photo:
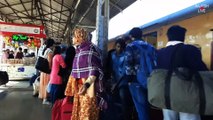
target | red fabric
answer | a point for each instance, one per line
(80, 81)
(66, 109)
(56, 110)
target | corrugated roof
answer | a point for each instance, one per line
(56, 15)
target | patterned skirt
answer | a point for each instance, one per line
(84, 106)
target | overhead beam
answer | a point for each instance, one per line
(60, 14)
(55, 26)
(66, 28)
(70, 9)
(13, 10)
(26, 10)
(59, 29)
(19, 12)
(14, 4)
(16, 11)
(71, 15)
(35, 18)
(56, 12)
(46, 20)
(39, 12)
(86, 12)
(55, 29)
(32, 7)
(53, 15)
(56, 16)
(54, 33)
(116, 6)
(50, 1)
(55, 9)
(86, 26)
(4, 18)
(38, 15)
(41, 8)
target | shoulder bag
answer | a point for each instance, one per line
(42, 64)
(181, 89)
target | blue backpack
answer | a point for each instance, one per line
(144, 60)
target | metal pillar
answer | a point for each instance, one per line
(102, 21)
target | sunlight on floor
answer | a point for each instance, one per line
(1, 91)
(15, 84)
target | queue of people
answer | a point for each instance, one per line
(141, 58)
(127, 71)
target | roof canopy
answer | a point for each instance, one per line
(56, 15)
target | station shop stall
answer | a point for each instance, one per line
(14, 36)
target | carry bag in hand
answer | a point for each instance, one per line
(43, 65)
(182, 90)
(66, 108)
(180, 94)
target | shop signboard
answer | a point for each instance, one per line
(8, 29)
(19, 37)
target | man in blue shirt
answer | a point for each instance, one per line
(118, 80)
(140, 59)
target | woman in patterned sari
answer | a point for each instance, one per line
(85, 81)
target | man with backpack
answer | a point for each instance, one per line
(140, 60)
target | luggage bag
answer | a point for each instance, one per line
(66, 108)
(182, 94)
